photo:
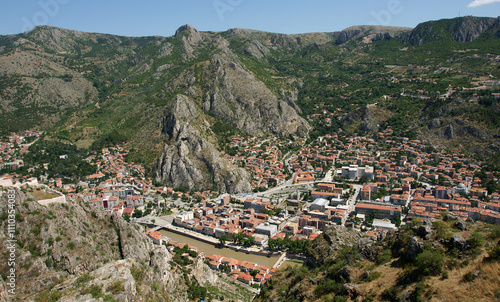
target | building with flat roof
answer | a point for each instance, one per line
(381, 210)
(320, 204)
(383, 225)
(186, 215)
(354, 171)
(266, 229)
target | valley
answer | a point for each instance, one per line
(370, 156)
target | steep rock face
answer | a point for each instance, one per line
(191, 161)
(470, 28)
(257, 50)
(415, 247)
(56, 39)
(235, 96)
(370, 117)
(443, 129)
(332, 240)
(347, 35)
(190, 37)
(370, 33)
(465, 29)
(73, 247)
(118, 272)
(204, 274)
(268, 39)
(131, 243)
(494, 31)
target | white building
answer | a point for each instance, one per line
(267, 229)
(354, 171)
(320, 204)
(186, 215)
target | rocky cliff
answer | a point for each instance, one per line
(190, 161)
(76, 252)
(134, 86)
(465, 29)
(369, 34)
(234, 95)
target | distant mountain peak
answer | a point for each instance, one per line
(378, 29)
(370, 33)
(461, 29)
(186, 28)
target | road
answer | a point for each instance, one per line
(28, 145)
(351, 202)
(159, 220)
(328, 176)
(288, 185)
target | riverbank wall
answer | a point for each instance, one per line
(215, 242)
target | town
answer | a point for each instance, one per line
(372, 183)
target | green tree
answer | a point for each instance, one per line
(396, 219)
(126, 216)
(223, 239)
(137, 213)
(476, 240)
(429, 262)
(238, 237)
(249, 241)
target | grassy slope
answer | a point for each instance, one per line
(394, 272)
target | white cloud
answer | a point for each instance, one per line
(477, 3)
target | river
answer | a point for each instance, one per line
(210, 249)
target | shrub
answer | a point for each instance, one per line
(384, 257)
(36, 231)
(138, 273)
(441, 228)
(95, 290)
(48, 262)
(83, 279)
(71, 245)
(47, 296)
(419, 292)
(476, 240)
(373, 276)
(155, 286)
(469, 277)
(328, 286)
(340, 299)
(495, 252)
(116, 287)
(495, 232)
(390, 294)
(34, 250)
(429, 263)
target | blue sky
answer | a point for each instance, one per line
(163, 17)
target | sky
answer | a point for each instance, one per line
(163, 17)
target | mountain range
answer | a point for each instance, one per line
(173, 101)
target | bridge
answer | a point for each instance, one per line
(280, 261)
